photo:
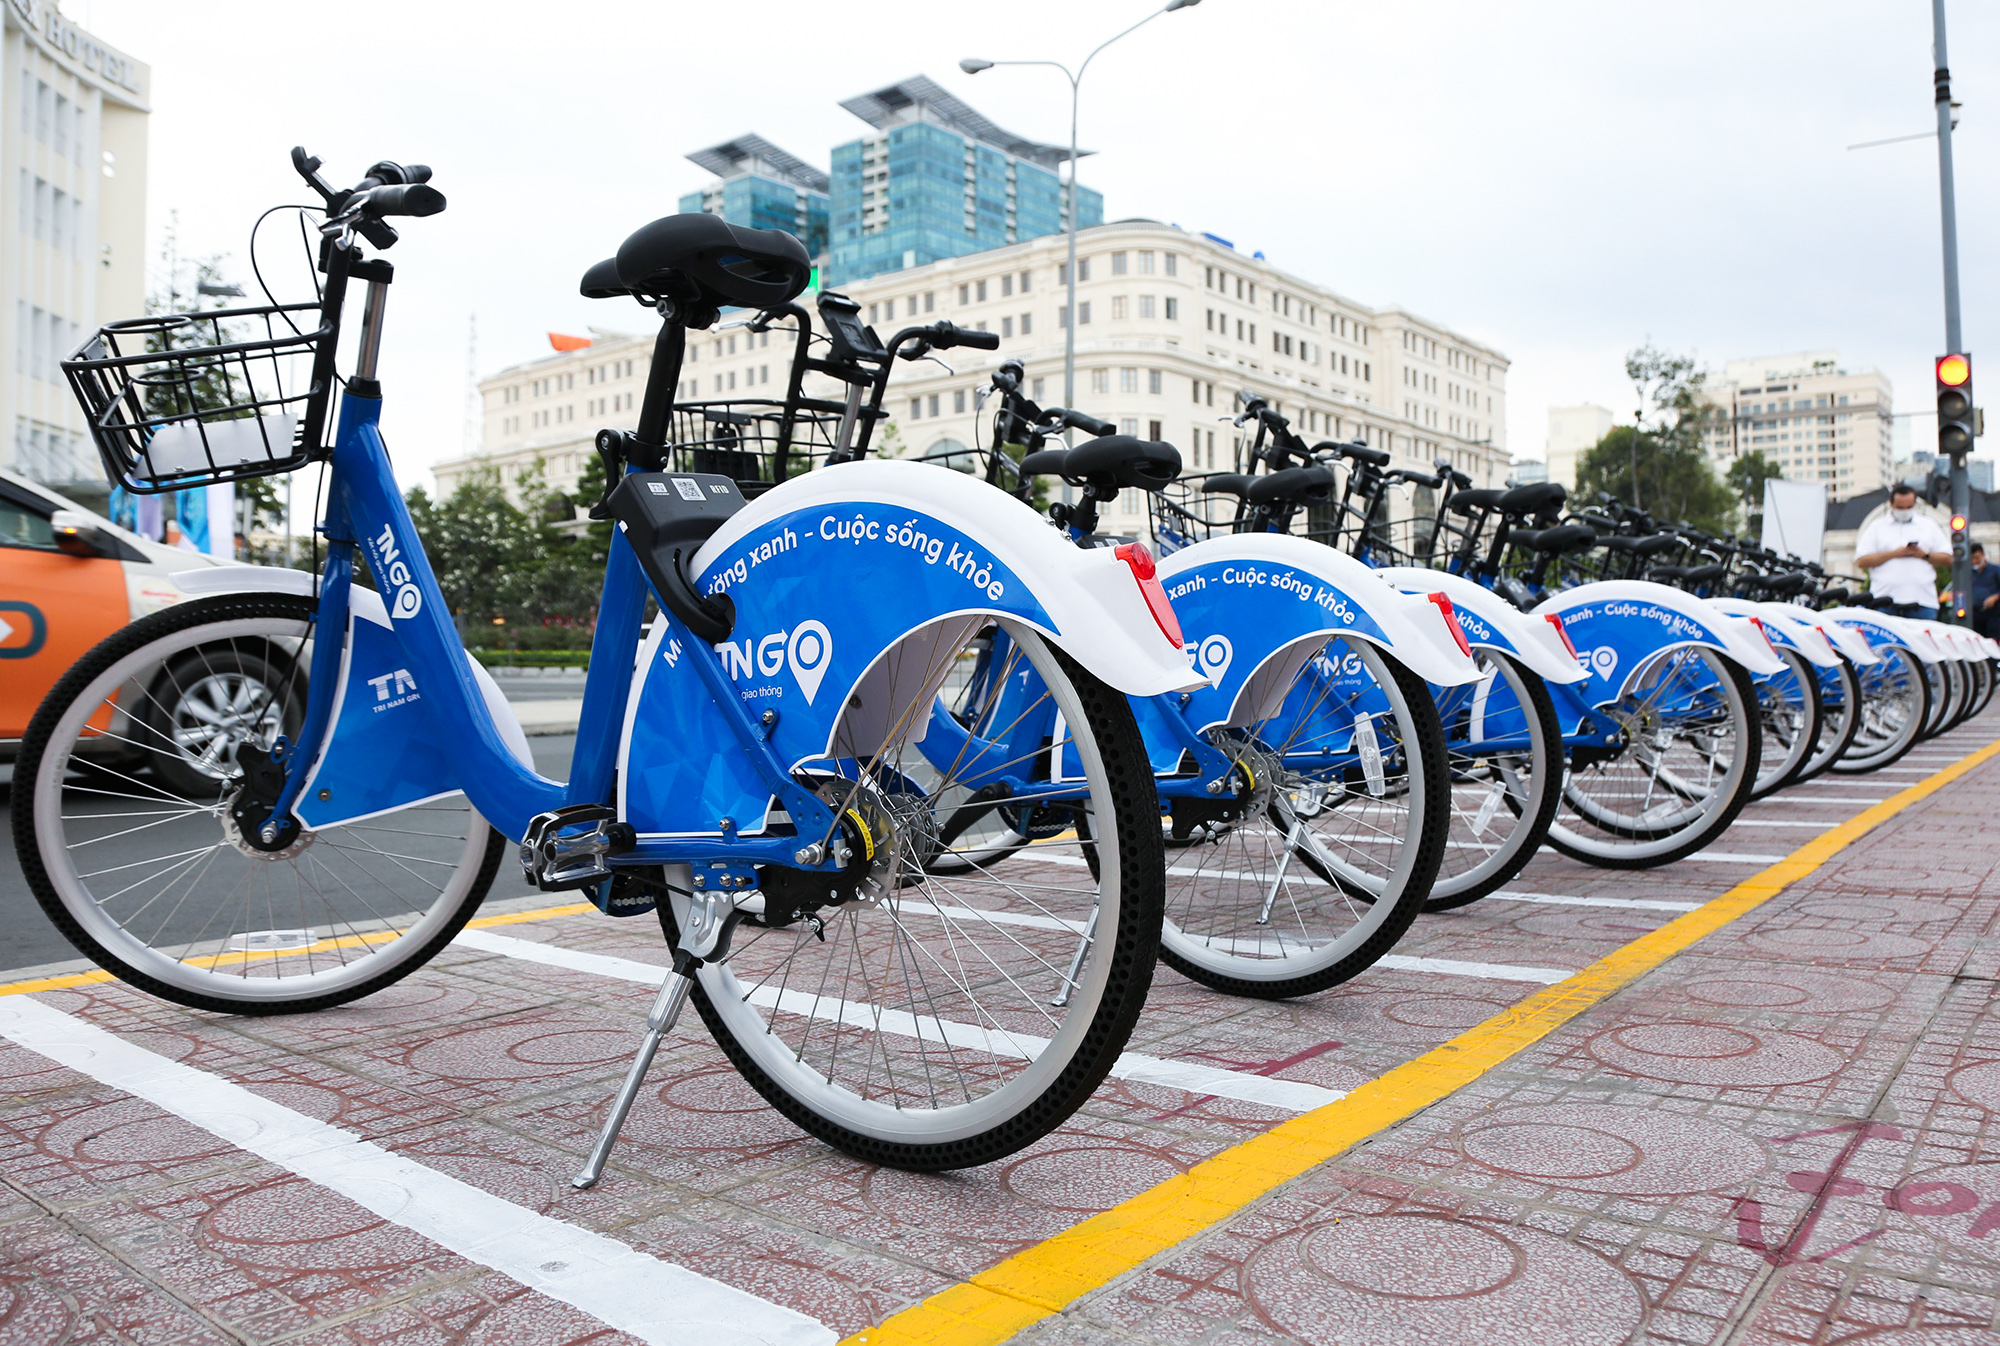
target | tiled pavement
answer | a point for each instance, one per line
(1790, 1133)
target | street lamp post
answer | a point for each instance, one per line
(972, 66)
(1961, 481)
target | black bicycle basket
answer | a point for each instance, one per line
(757, 441)
(189, 399)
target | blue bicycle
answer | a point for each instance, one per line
(292, 794)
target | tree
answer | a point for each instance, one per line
(1662, 468)
(477, 541)
(1746, 477)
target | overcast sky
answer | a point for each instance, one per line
(1562, 179)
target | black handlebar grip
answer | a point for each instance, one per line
(1090, 425)
(413, 198)
(416, 172)
(984, 341)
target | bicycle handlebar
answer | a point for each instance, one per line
(1077, 420)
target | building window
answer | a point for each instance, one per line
(1083, 314)
(1039, 390)
(1173, 309)
(1211, 319)
(1128, 380)
(1027, 324)
(1117, 263)
(1145, 263)
(1154, 379)
(1024, 282)
(1194, 387)
(964, 295)
(1118, 306)
(1173, 264)
(1152, 430)
(932, 409)
(1129, 426)
(1100, 380)
(979, 291)
(958, 402)
(916, 408)
(1145, 306)
(1006, 328)
(1062, 316)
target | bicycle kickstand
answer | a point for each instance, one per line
(667, 1006)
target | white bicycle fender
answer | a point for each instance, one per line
(1264, 591)
(893, 523)
(243, 579)
(1892, 630)
(1491, 622)
(1802, 637)
(1682, 618)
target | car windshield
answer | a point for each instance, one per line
(21, 527)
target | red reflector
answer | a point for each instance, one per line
(1769, 644)
(1140, 560)
(1557, 623)
(1451, 620)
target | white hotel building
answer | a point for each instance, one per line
(73, 118)
(1170, 325)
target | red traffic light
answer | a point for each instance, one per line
(1953, 371)
(1958, 523)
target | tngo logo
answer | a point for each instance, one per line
(807, 648)
(1211, 656)
(409, 600)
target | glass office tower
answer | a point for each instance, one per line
(936, 179)
(760, 186)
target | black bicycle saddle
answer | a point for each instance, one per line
(703, 259)
(1290, 486)
(1125, 460)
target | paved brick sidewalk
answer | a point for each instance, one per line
(1790, 1133)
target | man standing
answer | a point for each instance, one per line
(1985, 595)
(1900, 550)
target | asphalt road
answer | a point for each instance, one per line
(27, 939)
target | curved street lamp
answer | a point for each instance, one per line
(972, 65)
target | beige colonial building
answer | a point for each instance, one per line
(72, 248)
(1820, 422)
(1170, 325)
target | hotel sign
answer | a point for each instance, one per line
(69, 43)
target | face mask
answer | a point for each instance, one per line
(1901, 515)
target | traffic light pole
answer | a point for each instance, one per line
(1961, 480)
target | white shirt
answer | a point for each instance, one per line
(1904, 579)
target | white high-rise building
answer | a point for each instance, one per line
(1818, 421)
(1170, 326)
(1573, 432)
(73, 116)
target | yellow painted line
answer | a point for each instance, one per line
(1043, 1280)
(70, 980)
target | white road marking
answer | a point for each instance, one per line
(653, 1300)
(1734, 858)
(1547, 976)
(1632, 903)
(1289, 1095)
(1757, 822)
(1782, 798)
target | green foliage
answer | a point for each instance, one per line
(1746, 477)
(538, 575)
(1661, 468)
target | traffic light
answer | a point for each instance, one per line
(1954, 405)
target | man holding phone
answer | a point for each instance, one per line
(1900, 551)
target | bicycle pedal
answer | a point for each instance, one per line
(556, 856)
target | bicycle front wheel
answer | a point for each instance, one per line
(122, 826)
(934, 1020)
(1840, 720)
(1895, 703)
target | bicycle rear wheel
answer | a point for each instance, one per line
(1788, 713)
(1505, 748)
(1323, 857)
(1895, 703)
(1840, 719)
(123, 831)
(941, 1020)
(1688, 753)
